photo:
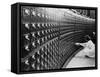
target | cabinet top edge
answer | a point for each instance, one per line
(53, 5)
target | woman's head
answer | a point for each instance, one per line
(87, 38)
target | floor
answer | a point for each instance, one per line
(79, 60)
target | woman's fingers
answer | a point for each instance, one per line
(77, 43)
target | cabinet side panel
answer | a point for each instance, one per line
(14, 38)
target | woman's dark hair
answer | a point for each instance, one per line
(87, 38)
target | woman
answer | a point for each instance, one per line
(89, 47)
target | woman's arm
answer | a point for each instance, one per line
(82, 44)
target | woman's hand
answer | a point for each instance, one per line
(77, 43)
